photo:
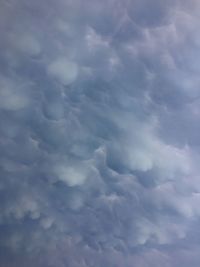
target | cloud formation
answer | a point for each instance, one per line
(99, 112)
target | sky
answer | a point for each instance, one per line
(99, 133)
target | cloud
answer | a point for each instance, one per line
(64, 71)
(13, 95)
(99, 116)
(72, 176)
(27, 44)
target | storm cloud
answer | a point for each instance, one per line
(99, 133)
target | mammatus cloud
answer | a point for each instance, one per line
(64, 71)
(99, 115)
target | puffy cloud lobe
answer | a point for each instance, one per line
(98, 122)
(72, 175)
(64, 71)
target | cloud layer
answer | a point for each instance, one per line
(99, 124)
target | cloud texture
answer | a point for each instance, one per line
(99, 133)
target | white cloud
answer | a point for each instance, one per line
(63, 71)
(71, 175)
(95, 41)
(25, 206)
(47, 222)
(144, 150)
(161, 232)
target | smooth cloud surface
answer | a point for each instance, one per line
(99, 126)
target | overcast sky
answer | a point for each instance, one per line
(99, 133)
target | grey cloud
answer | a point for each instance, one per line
(99, 133)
